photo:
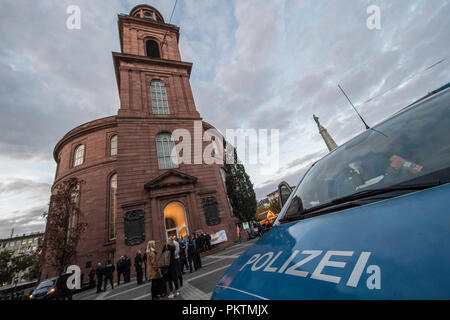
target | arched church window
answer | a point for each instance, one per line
(159, 97)
(112, 211)
(223, 174)
(73, 210)
(152, 49)
(78, 157)
(113, 145)
(164, 145)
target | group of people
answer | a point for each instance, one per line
(256, 230)
(104, 275)
(165, 269)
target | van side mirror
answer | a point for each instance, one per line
(284, 191)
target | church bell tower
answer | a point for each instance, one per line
(152, 79)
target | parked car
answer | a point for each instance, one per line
(370, 220)
(45, 290)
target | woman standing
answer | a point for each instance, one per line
(171, 276)
(153, 273)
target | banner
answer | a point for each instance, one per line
(218, 237)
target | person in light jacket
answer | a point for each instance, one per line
(152, 272)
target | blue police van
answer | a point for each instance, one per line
(370, 220)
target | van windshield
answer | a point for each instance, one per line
(405, 147)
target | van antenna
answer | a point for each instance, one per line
(170, 20)
(367, 127)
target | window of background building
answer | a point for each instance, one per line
(159, 97)
(112, 207)
(164, 146)
(113, 145)
(78, 155)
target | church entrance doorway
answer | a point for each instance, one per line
(175, 220)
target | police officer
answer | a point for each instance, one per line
(127, 268)
(92, 278)
(99, 273)
(208, 241)
(197, 259)
(192, 251)
(120, 269)
(144, 259)
(109, 272)
(183, 258)
(138, 266)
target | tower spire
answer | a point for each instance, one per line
(331, 144)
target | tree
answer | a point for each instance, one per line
(64, 225)
(239, 187)
(33, 268)
(26, 263)
(6, 271)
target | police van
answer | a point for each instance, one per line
(370, 220)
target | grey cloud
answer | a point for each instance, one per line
(24, 185)
(26, 222)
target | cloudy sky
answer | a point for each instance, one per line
(268, 64)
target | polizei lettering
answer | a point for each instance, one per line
(332, 260)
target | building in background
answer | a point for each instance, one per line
(273, 196)
(134, 188)
(23, 244)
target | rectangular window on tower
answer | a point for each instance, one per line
(159, 97)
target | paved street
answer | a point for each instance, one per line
(198, 285)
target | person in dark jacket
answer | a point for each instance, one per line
(171, 276)
(197, 258)
(200, 243)
(138, 266)
(108, 274)
(127, 269)
(183, 258)
(192, 252)
(208, 241)
(62, 292)
(92, 278)
(144, 259)
(120, 269)
(99, 272)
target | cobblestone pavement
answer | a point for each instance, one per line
(197, 285)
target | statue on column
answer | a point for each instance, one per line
(331, 144)
(316, 119)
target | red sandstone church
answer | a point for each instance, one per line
(134, 190)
